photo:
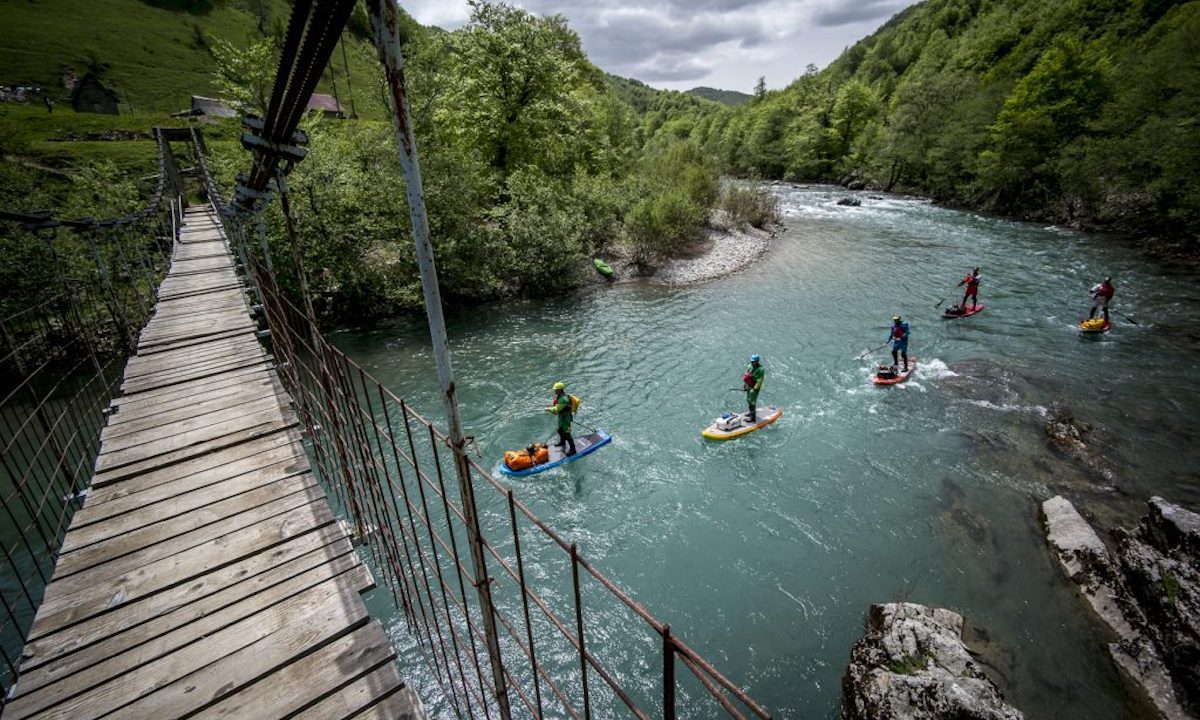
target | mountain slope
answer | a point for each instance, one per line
(725, 97)
(1082, 112)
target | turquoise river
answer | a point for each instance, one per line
(764, 553)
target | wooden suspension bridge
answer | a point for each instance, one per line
(206, 576)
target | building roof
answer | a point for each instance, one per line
(212, 107)
(325, 103)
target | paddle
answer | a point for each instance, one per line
(1115, 312)
(939, 303)
(860, 357)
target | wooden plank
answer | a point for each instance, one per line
(173, 632)
(183, 495)
(140, 365)
(75, 600)
(365, 692)
(154, 615)
(188, 373)
(151, 348)
(125, 554)
(134, 531)
(311, 616)
(208, 417)
(307, 630)
(150, 398)
(291, 687)
(171, 450)
(124, 422)
(400, 705)
(193, 473)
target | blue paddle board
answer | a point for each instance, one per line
(584, 445)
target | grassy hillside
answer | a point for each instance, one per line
(725, 97)
(155, 53)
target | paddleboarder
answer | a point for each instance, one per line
(561, 406)
(1101, 293)
(752, 383)
(898, 339)
(972, 291)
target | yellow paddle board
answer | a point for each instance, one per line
(742, 425)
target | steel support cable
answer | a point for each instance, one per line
(287, 56)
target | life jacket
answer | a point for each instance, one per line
(575, 402)
(535, 454)
(1107, 290)
(748, 379)
(898, 331)
(971, 281)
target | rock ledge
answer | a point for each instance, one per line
(912, 664)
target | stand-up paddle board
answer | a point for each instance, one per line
(885, 376)
(958, 311)
(584, 445)
(1095, 326)
(731, 425)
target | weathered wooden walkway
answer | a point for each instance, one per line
(205, 575)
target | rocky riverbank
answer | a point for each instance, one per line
(722, 247)
(911, 664)
(1147, 591)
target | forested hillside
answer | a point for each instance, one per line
(1082, 111)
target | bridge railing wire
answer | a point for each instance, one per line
(76, 293)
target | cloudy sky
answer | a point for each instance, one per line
(680, 44)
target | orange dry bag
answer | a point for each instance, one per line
(527, 458)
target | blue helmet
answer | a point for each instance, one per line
(756, 358)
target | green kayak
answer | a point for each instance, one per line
(603, 268)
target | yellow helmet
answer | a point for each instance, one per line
(559, 386)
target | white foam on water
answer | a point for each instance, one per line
(1039, 410)
(934, 370)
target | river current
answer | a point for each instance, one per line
(765, 552)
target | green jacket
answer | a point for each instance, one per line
(562, 408)
(757, 373)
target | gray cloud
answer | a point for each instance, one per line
(682, 43)
(849, 12)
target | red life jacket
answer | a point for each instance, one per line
(748, 379)
(898, 332)
(971, 281)
(1107, 290)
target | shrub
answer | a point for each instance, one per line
(750, 204)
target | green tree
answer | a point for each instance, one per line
(245, 74)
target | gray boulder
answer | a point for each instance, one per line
(1160, 560)
(912, 664)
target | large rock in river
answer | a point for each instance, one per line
(1160, 560)
(912, 664)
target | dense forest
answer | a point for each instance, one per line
(1082, 112)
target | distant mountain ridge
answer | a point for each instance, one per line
(725, 97)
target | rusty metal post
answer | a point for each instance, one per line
(668, 674)
(583, 666)
(385, 28)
